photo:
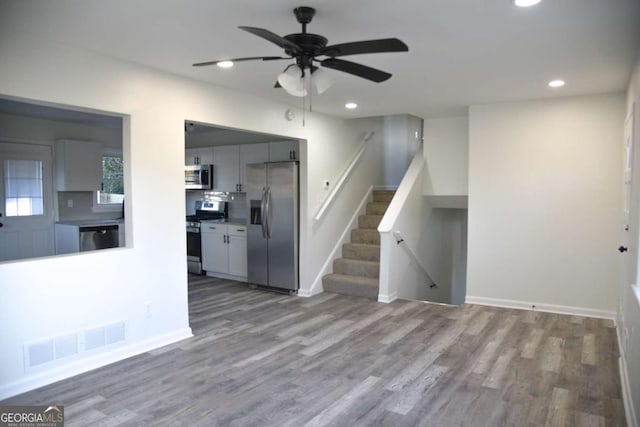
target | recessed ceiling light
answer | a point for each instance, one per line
(225, 64)
(525, 3)
(556, 83)
(350, 105)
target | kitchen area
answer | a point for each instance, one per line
(61, 181)
(241, 195)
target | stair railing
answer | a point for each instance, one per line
(414, 259)
(343, 178)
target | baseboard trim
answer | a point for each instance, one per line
(629, 409)
(77, 367)
(387, 298)
(548, 308)
(226, 276)
(316, 286)
(306, 293)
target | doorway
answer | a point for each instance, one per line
(26, 205)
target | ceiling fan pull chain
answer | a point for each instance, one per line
(310, 92)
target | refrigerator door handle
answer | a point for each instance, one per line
(263, 209)
(268, 212)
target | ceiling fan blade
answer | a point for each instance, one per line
(356, 69)
(273, 38)
(366, 46)
(252, 58)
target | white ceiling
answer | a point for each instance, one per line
(461, 52)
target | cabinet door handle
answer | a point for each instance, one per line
(240, 230)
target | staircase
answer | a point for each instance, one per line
(357, 272)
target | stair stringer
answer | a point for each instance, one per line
(336, 252)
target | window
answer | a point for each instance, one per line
(23, 188)
(112, 182)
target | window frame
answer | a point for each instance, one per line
(5, 210)
(107, 207)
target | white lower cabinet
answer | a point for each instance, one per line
(224, 250)
(237, 242)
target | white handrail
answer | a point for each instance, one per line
(412, 255)
(336, 189)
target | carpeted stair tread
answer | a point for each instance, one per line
(377, 208)
(351, 285)
(363, 251)
(356, 267)
(370, 222)
(383, 195)
(365, 236)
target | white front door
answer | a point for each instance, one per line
(26, 201)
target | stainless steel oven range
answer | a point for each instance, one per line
(203, 211)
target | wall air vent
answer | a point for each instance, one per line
(65, 346)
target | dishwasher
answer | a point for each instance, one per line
(98, 237)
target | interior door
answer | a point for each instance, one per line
(630, 234)
(26, 201)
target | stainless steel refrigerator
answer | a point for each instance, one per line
(272, 233)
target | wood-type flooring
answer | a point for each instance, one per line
(259, 358)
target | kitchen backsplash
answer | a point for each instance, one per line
(237, 202)
(238, 206)
(74, 205)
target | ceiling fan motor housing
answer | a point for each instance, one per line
(304, 14)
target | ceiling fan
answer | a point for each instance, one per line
(308, 49)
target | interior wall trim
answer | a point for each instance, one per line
(387, 298)
(90, 363)
(548, 308)
(629, 409)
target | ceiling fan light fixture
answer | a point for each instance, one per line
(291, 80)
(225, 64)
(322, 80)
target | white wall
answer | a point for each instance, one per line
(152, 269)
(446, 151)
(402, 139)
(544, 202)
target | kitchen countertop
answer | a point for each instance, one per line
(91, 222)
(230, 221)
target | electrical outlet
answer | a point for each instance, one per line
(70, 203)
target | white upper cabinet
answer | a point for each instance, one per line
(230, 161)
(283, 150)
(201, 155)
(78, 165)
(251, 153)
(226, 171)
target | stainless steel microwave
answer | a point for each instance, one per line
(198, 177)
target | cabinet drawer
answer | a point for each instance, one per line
(206, 227)
(236, 230)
